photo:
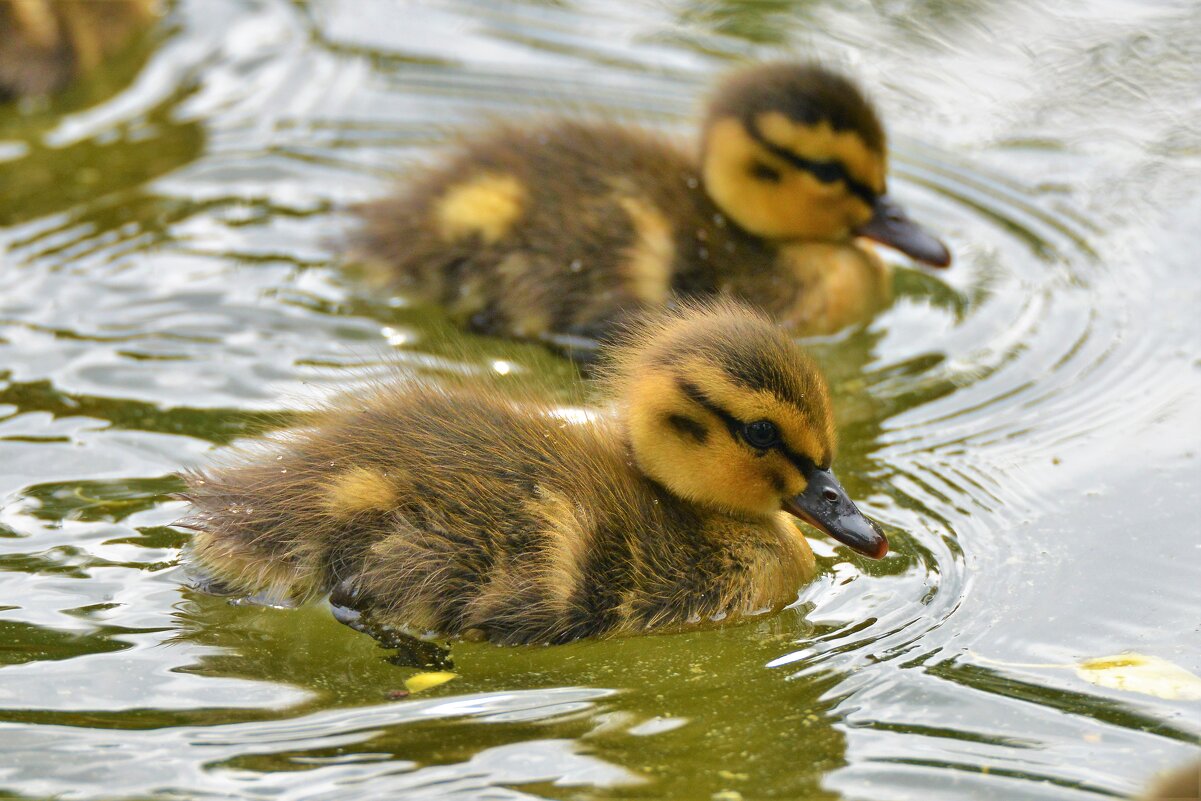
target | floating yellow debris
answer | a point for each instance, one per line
(1129, 671)
(1140, 673)
(424, 681)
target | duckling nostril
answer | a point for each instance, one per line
(830, 495)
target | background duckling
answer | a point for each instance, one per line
(562, 228)
(1182, 784)
(459, 511)
(45, 44)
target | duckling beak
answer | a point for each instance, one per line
(891, 226)
(825, 505)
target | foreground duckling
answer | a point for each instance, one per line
(45, 44)
(563, 228)
(461, 512)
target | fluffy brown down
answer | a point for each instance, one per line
(460, 511)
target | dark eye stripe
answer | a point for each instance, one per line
(694, 393)
(765, 173)
(802, 462)
(825, 171)
(688, 426)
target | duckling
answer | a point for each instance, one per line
(463, 512)
(45, 44)
(560, 230)
(1182, 784)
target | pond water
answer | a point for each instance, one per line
(1027, 424)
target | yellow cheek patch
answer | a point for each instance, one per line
(718, 472)
(651, 398)
(649, 258)
(759, 208)
(820, 142)
(736, 479)
(486, 206)
(796, 207)
(360, 489)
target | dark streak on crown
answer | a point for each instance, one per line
(805, 93)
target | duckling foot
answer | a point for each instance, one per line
(199, 579)
(410, 651)
(421, 654)
(209, 585)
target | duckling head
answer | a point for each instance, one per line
(724, 410)
(796, 152)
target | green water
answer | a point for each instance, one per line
(1027, 424)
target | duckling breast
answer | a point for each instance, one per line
(821, 287)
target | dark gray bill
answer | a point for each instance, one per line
(825, 505)
(891, 226)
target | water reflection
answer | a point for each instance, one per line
(94, 179)
(567, 692)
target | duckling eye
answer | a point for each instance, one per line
(762, 172)
(761, 434)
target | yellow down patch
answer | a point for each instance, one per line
(649, 257)
(360, 489)
(487, 205)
